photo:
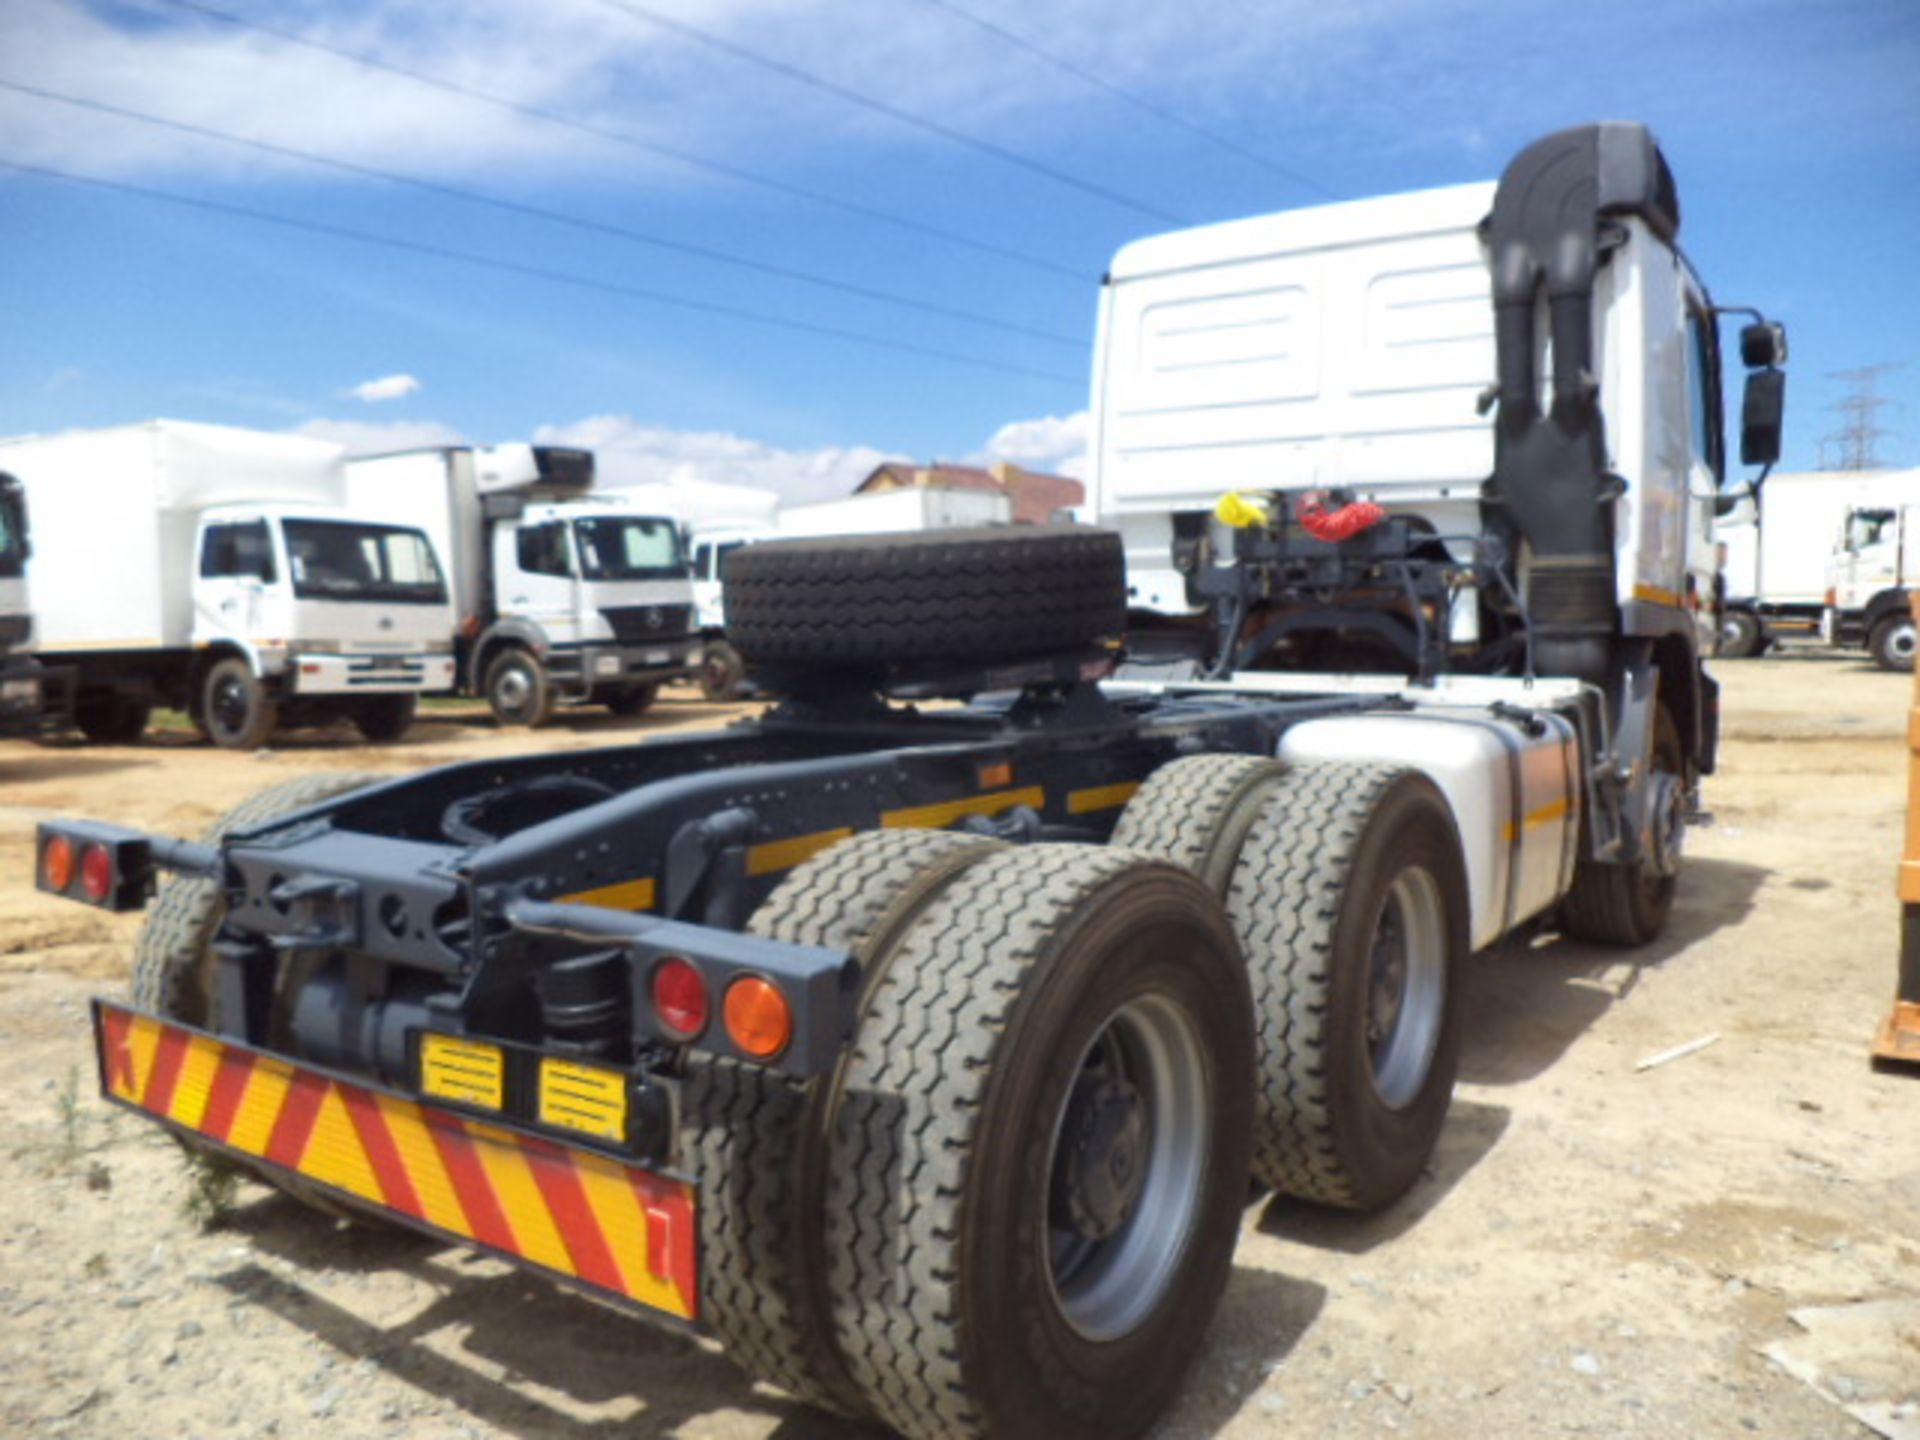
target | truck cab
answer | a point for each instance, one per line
(20, 684)
(319, 612)
(1518, 386)
(1867, 583)
(595, 594)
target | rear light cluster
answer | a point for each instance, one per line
(757, 1017)
(82, 870)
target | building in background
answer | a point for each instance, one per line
(1037, 498)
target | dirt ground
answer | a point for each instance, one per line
(1595, 1251)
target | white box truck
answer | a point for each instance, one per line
(562, 596)
(1779, 550)
(20, 682)
(1874, 566)
(896, 512)
(218, 571)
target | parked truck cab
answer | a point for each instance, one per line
(20, 687)
(563, 596)
(1874, 559)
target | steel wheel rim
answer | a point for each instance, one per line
(1105, 1288)
(1406, 986)
(1901, 643)
(230, 705)
(514, 690)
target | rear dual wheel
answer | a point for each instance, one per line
(1011, 1207)
(1347, 892)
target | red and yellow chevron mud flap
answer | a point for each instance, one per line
(586, 1218)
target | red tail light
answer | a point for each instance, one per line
(56, 863)
(96, 873)
(680, 997)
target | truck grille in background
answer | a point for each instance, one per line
(637, 624)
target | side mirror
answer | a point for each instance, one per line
(1762, 407)
(1763, 345)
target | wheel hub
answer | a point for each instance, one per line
(514, 689)
(1388, 989)
(1903, 643)
(1100, 1167)
(230, 704)
(1667, 804)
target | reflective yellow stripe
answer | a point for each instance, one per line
(610, 1196)
(1552, 810)
(334, 1153)
(1100, 797)
(938, 817)
(1654, 595)
(424, 1168)
(627, 895)
(773, 855)
(143, 1038)
(260, 1106)
(195, 1086)
(520, 1199)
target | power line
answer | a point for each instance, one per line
(892, 112)
(634, 142)
(535, 272)
(431, 187)
(1139, 102)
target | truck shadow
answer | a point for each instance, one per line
(48, 763)
(1471, 1132)
(1530, 998)
(494, 1341)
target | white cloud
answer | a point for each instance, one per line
(374, 437)
(1056, 444)
(629, 453)
(387, 387)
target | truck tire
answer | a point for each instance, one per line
(721, 671)
(1037, 1166)
(940, 595)
(1196, 812)
(633, 701)
(517, 689)
(384, 718)
(1892, 643)
(109, 718)
(173, 956)
(1741, 635)
(1628, 905)
(235, 709)
(747, 1129)
(1349, 899)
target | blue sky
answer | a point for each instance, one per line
(1793, 128)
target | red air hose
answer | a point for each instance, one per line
(1336, 525)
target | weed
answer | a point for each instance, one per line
(213, 1188)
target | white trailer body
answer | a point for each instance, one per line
(164, 549)
(562, 595)
(892, 512)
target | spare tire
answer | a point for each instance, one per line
(932, 595)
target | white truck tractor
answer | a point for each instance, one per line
(1875, 564)
(563, 597)
(219, 572)
(20, 685)
(927, 1057)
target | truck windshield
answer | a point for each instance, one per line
(629, 548)
(13, 535)
(352, 560)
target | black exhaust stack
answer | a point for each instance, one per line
(1549, 232)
